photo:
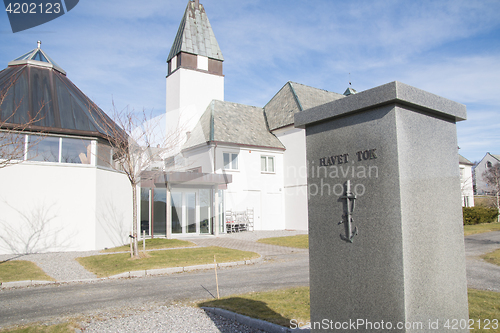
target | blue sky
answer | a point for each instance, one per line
(115, 50)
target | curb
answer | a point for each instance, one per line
(132, 274)
(172, 270)
(252, 322)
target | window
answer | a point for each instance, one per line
(230, 161)
(488, 164)
(104, 155)
(76, 151)
(267, 164)
(45, 149)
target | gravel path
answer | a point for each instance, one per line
(172, 319)
(61, 266)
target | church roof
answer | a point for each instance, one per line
(37, 92)
(292, 98)
(232, 123)
(195, 34)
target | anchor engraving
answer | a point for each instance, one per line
(347, 216)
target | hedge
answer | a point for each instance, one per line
(478, 214)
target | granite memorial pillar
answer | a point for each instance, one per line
(385, 218)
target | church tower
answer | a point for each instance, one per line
(195, 75)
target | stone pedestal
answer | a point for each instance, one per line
(400, 261)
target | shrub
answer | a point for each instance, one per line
(477, 215)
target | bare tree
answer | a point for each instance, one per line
(492, 178)
(12, 138)
(138, 145)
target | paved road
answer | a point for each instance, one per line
(277, 271)
(56, 301)
(480, 274)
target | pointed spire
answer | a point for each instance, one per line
(350, 91)
(195, 34)
(37, 57)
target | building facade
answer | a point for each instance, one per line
(64, 196)
(488, 161)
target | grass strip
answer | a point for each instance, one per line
(111, 264)
(298, 241)
(59, 328)
(492, 257)
(281, 306)
(21, 270)
(278, 307)
(484, 309)
(480, 228)
(153, 244)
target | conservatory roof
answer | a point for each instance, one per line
(38, 58)
(40, 98)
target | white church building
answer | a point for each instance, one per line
(256, 153)
(234, 159)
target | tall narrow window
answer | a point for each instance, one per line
(230, 161)
(145, 210)
(160, 211)
(267, 164)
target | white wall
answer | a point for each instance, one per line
(56, 203)
(295, 176)
(251, 188)
(189, 92)
(466, 185)
(113, 209)
(481, 186)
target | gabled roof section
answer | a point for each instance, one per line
(37, 57)
(195, 34)
(292, 98)
(463, 160)
(232, 123)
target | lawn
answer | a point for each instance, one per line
(153, 244)
(111, 264)
(59, 328)
(492, 257)
(281, 306)
(274, 306)
(298, 241)
(20, 270)
(480, 228)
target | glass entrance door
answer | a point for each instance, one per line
(191, 211)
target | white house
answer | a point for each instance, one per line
(487, 162)
(466, 181)
(63, 196)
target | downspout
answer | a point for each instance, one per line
(215, 225)
(212, 133)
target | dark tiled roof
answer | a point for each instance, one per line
(293, 98)
(233, 123)
(195, 35)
